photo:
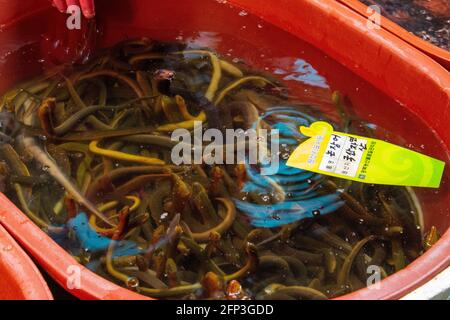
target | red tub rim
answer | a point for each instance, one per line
(28, 280)
(56, 261)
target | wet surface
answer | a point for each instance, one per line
(427, 19)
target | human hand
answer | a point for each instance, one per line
(87, 6)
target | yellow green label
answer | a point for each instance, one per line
(363, 159)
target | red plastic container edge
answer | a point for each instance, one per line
(440, 55)
(20, 279)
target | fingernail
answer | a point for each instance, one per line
(89, 14)
(60, 6)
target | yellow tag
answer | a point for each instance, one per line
(363, 159)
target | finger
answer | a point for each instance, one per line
(88, 8)
(73, 3)
(60, 4)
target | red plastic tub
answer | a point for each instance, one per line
(19, 277)
(385, 78)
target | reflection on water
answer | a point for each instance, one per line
(302, 71)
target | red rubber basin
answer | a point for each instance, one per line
(19, 277)
(386, 79)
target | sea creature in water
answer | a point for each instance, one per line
(89, 240)
(8, 126)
